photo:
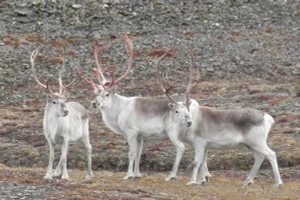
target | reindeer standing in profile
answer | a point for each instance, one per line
(139, 118)
(63, 122)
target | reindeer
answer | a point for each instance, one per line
(224, 129)
(63, 122)
(139, 118)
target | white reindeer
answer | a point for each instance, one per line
(224, 129)
(63, 122)
(139, 118)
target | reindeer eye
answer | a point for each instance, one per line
(107, 94)
(54, 102)
(176, 111)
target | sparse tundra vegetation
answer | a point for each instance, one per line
(247, 54)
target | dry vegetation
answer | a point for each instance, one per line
(25, 154)
(109, 185)
(248, 54)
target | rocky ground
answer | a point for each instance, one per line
(248, 53)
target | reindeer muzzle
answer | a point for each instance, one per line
(65, 113)
(95, 104)
(189, 123)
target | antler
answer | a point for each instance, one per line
(163, 85)
(190, 85)
(62, 88)
(130, 49)
(99, 73)
(89, 81)
(33, 57)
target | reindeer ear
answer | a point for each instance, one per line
(48, 98)
(188, 103)
(171, 105)
(113, 89)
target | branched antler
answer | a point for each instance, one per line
(191, 84)
(166, 87)
(130, 62)
(99, 75)
(62, 88)
(33, 57)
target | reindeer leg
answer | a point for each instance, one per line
(133, 152)
(85, 141)
(137, 173)
(49, 173)
(198, 161)
(179, 153)
(88, 148)
(57, 171)
(204, 173)
(259, 158)
(271, 156)
(63, 160)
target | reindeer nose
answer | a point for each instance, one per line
(94, 104)
(189, 123)
(66, 112)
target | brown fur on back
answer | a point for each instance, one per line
(152, 107)
(242, 119)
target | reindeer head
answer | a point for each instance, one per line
(55, 100)
(104, 92)
(179, 110)
(57, 107)
(180, 114)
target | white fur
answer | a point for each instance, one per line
(120, 115)
(207, 133)
(64, 122)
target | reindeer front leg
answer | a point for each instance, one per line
(49, 173)
(63, 160)
(179, 153)
(133, 153)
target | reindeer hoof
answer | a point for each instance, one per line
(128, 177)
(89, 177)
(278, 185)
(56, 173)
(65, 177)
(201, 182)
(48, 178)
(138, 175)
(192, 183)
(207, 178)
(247, 183)
(170, 178)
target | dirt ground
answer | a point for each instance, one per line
(248, 53)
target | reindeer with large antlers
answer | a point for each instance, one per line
(63, 122)
(138, 118)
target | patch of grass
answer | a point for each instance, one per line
(106, 183)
